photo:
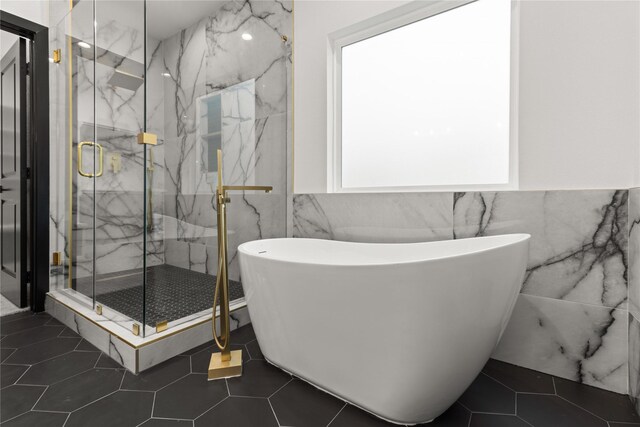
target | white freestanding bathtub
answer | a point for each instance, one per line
(400, 330)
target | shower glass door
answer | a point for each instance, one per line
(218, 78)
(75, 75)
(191, 77)
(105, 55)
(119, 73)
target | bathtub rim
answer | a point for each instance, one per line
(515, 238)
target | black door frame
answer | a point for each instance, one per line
(39, 151)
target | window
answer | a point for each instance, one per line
(422, 100)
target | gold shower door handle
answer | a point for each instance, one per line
(91, 144)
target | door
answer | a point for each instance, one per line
(13, 174)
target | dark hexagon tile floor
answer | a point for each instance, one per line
(49, 377)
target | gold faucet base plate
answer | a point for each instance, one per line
(231, 368)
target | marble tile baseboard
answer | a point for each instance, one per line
(634, 252)
(146, 355)
(634, 361)
(580, 342)
(117, 349)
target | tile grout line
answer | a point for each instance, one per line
(604, 307)
(45, 360)
(533, 393)
(74, 375)
(274, 393)
(42, 394)
(210, 409)
(338, 413)
(67, 420)
(94, 401)
(25, 371)
(498, 381)
(491, 413)
(461, 404)
(9, 348)
(584, 409)
(523, 420)
(167, 385)
(273, 411)
(28, 411)
(153, 403)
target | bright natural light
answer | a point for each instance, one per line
(427, 104)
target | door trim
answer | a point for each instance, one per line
(39, 151)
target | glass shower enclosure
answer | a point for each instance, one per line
(148, 91)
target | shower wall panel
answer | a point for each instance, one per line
(213, 57)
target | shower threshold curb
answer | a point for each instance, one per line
(135, 353)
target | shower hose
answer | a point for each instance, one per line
(216, 295)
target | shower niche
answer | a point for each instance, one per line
(143, 96)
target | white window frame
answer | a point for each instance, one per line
(395, 18)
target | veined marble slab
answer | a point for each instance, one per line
(634, 252)
(254, 84)
(374, 217)
(578, 249)
(634, 361)
(580, 342)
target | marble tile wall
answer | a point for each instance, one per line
(571, 319)
(634, 296)
(211, 57)
(634, 361)
(376, 217)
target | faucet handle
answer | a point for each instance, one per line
(265, 188)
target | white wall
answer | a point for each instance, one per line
(579, 100)
(33, 10)
(313, 21)
(579, 108)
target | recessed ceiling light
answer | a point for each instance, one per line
(84, 45)
(247, 36)
(166, 75)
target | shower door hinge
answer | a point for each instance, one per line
(56, 258)
(27, 68)
(147, 138)
(162, 326)
(28, 277)
(27, 173)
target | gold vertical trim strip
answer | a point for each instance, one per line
(70, 129)
(293, 100)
